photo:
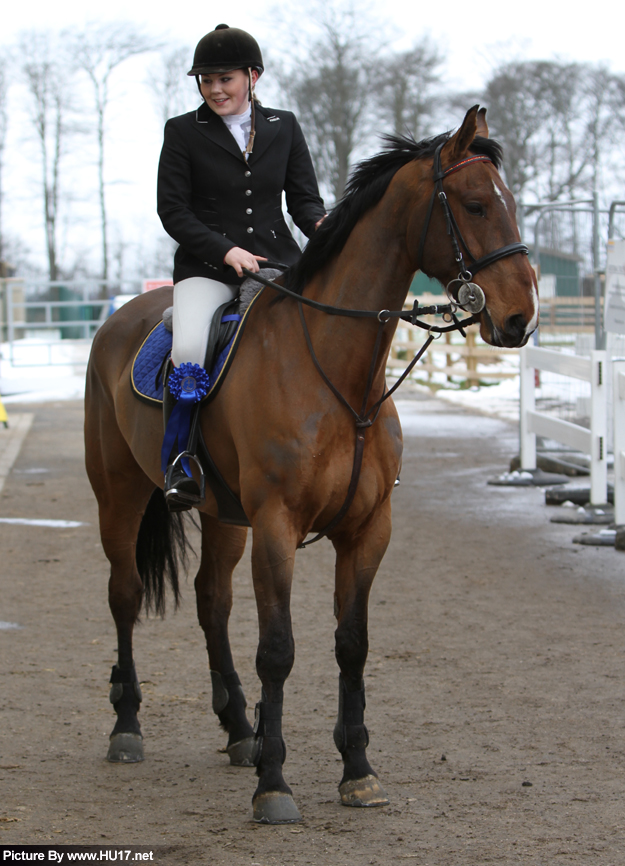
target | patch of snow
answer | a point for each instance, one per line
(38, 371)
(515, 475)
(52, 524)
(499, 401)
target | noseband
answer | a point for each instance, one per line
(462, 290)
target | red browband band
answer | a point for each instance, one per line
(462, 163)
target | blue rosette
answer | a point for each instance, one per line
(188, 384)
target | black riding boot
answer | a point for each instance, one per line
(181, 492)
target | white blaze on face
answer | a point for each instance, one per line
(531, 325)
(499, 195)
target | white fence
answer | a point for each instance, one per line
(619, 442)
(591, 441)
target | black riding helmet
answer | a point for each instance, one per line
(224, 49)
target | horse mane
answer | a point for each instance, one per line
(365, 187)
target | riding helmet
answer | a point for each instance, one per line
(224, 49)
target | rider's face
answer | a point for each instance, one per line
(227, 92)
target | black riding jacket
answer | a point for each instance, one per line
(210, 199)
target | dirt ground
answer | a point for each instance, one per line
(494, 685)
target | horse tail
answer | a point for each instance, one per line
(161, 550)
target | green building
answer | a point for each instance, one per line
(565, 266)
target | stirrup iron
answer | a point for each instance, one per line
(176, 496)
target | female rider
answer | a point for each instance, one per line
(222, 172)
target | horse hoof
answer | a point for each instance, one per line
(363, 792)
(243, 753)
(125, 749)
(275, 807)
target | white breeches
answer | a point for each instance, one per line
(195, 303)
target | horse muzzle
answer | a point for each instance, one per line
(512, 334)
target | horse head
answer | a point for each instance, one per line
(472, 227)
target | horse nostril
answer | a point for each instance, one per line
(516, 326)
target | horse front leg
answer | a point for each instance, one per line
(273, 556)
(356, 566)
(222, 548)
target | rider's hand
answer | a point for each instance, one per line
(239, 258)
(318, 223)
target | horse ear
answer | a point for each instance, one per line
(482, 126)
(462, 140)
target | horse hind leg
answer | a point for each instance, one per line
(160, 543)
(222, 548)
(119, 526)
(356, 565)
(135, 529)
(139, 567)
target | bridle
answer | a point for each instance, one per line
(469, 297)
(465, 293)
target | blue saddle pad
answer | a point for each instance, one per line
(147, 367)
(147, 379)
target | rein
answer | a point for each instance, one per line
(470, 295)
(381, 315)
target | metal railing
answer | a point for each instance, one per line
(49, 323)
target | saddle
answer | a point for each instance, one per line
(149, 364)
(226, 331)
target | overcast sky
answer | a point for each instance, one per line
(472, 36)
(468, 31)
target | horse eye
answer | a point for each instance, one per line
(474, 209)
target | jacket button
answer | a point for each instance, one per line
(248, 210)
(250, 230)
(248, 192)
(248, 173)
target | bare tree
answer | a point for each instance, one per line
(98, 51)
(45, 72)
(329, 88)
(405, 89)
(4, 123)
(556, 121)
(565, 152)
(603, 106)
(176, 92)
(515, 117)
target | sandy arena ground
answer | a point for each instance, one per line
(494, 683)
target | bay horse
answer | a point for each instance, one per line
(284, 443)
